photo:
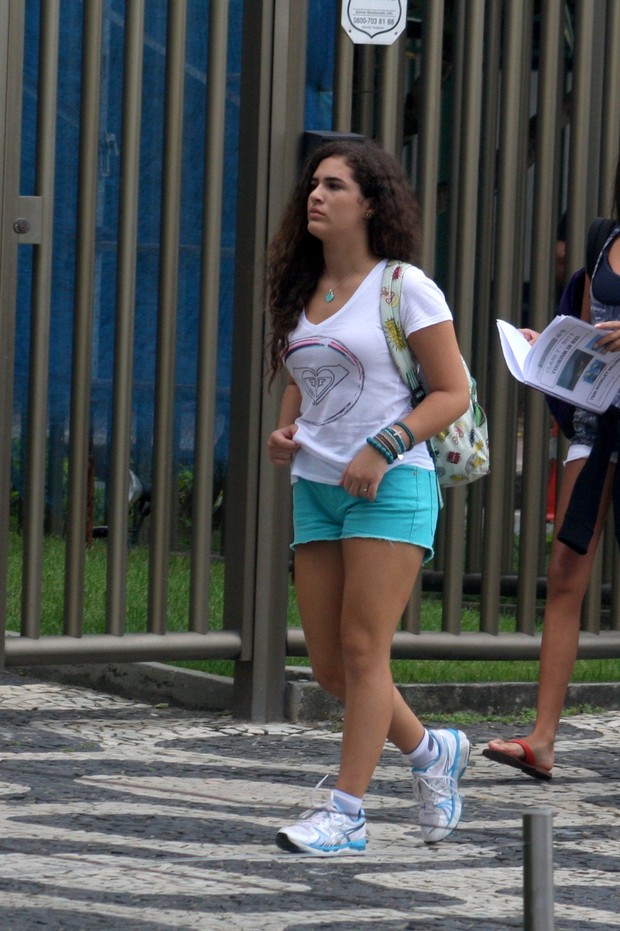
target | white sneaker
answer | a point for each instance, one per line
(324, 832)
(436, 786)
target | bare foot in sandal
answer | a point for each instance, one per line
(519, 754)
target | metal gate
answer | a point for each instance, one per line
(148, 150)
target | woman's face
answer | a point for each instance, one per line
(336, 205)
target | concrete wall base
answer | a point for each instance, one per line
(305, 701)
(154, 683)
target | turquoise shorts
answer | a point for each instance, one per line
(405, 510)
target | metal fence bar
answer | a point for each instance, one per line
(544, 144)
(106, 648)
(209, 311)
(476, 646)
(610, 146)
(167, 318)
(257, 528)
(610, 122)
(273, 523)
(11, 72)
(390, 101)
(83, 317)
(343, 80)
(120, 440)
(430, 128)
(581, 169)
(583, 178)
(241, 490)
(426, 185)
(507, 295)
(477, 503)
(365, 87)
(452, 181)
(493, 216)
(461, 286)
(37, 418)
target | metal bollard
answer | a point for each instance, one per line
(538, 870)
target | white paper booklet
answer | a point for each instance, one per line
(563, 362)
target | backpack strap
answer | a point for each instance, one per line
(600, 228)
(391, 288)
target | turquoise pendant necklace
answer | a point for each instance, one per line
(329, 297)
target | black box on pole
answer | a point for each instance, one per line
(311, 139)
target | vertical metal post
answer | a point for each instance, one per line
(538, 870)
(365, 88)
(582, 166)
(83, 327)
(610, 138)
(343, 80)
(209, 313)
(391, 96)
(167, 319)
(37, 421)
(610, 121)
(464, 198)
(584, 180)
(485, 307)
(428, 172)
(11, 71)
(507, 294)
(546, 146)
(257, 495)
(124, 337)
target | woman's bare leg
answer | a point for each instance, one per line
(567, 581)
(351, 597)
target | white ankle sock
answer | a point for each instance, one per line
(349, 804)
(423, 754)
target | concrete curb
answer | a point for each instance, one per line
(305, 700)
(155, 683)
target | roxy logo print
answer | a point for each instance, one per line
(330, 376)
(319, 382)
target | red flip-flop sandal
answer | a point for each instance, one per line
(527, 763)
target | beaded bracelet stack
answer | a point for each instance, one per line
(407, 432)
(390, 443)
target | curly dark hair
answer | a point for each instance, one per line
(295, 256)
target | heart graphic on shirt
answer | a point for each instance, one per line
(319, 382)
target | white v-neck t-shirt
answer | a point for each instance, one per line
(350, 387)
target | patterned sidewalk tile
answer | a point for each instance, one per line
(118, 815)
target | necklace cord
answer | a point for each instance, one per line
(329, 296)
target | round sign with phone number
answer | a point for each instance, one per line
(373, 22)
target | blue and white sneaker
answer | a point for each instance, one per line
(324, 832)
(436, 786)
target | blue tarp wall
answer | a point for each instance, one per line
(318, 116)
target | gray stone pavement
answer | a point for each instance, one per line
(116, 814)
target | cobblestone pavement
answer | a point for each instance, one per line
(120, 815)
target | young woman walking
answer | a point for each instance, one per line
(364, 487)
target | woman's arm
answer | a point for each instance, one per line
(586, 312)
(611, 339)
(447, 398)
(281, 447)
(436, 349)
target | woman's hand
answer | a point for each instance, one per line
(611, 340)
(363, 475)
(530, 335)
(281, 447)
